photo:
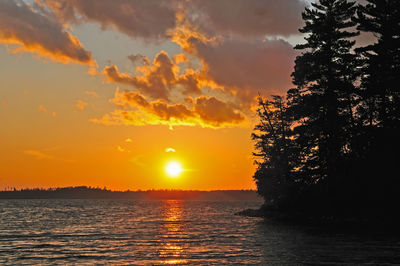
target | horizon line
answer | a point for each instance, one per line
(12, 189)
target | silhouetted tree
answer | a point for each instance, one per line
(378, 141)
(331, 147)
(275, 151)
(325, 96)
(381, 69)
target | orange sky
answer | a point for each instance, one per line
(94, 96)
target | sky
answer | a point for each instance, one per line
(105, 93)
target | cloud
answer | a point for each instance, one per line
(237, 43)
(239, 68)
(242, 67)
(36, 31)
(170, 150)
(92, 93)
(39, 155)
(81, 104)
(139, 59)
(136, 110)
(216, 112)
(157, 79)
(138, 160)
(229, 37)
(245, 17)
(180, 58)
(43, 109)
(149, 19)
(122, 149)
(247, 66)
(155, 19)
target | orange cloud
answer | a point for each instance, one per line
(224, 67)
(38, 32)
(39, 155)
(122, 149)
(157, 79)
(180, 58)
(239, 66)
(92, 93)
(81, 104)
(43, 109)
(136, 110)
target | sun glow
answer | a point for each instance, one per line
(173, 169)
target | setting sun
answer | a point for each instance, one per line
(173, 169)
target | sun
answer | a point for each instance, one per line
(173, 169)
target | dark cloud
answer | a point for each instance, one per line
(138, 59)
(136, 18)
(216, 112)
(246, 66)
(154, 19)
(38, 32)
(245, 17)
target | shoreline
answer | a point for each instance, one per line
(373, 223)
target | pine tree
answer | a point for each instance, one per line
(378, 141)
(331, 147)
(325, 96)
(381, 78)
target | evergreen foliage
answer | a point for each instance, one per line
(381, 68)
(330, 146)
(275, 147)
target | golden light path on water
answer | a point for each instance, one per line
(173, 233)
(157, 232)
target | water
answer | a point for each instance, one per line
(172, 232)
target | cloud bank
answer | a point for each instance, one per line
(238, 43)
(148, 19)
(247, 18)
(205, 112)
(33, 30)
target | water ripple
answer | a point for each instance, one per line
(171, 232)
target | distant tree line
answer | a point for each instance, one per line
(84, 192)
(332, 144)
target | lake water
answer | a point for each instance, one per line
(173, 232)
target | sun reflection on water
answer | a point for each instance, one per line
(172, 250)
